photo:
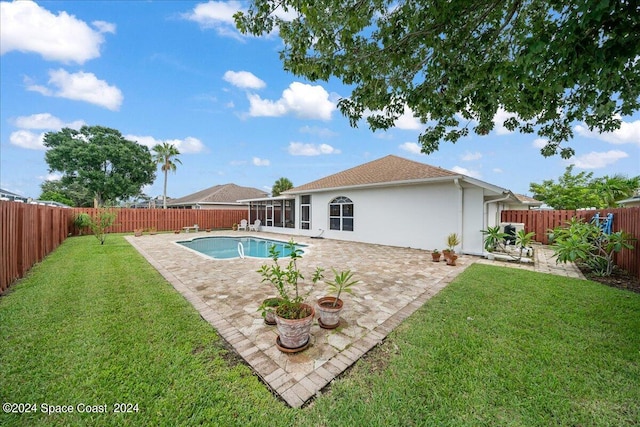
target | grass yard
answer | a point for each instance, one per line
(96, 325)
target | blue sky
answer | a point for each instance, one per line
(179, 71)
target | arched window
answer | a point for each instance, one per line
(341, 214)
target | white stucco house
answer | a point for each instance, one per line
(389, 201)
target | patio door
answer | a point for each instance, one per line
(269, 215)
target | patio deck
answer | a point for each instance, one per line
(394, 283)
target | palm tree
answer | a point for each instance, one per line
(165, 155)
(282, 184)
(617, 187)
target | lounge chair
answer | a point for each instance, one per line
(255, 226)
(243, 225)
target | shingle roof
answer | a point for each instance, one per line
(385, 170)
(223, 194)
(528, 200)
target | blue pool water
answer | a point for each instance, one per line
(227, 247)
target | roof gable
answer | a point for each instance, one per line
(387, 169)
(226, 193)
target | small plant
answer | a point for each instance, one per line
(493, 238)
(342, 282)
(588, 244)
(99, 224)
(436, 252)
(82, 220)
(268, 306)
(285, 280)
(453, 240)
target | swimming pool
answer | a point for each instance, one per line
(232, 247)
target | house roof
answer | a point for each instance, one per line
(528, 200)
(219, 194)
(388, 169)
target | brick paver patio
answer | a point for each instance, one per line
(394, 283)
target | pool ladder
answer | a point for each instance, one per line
(241, 250)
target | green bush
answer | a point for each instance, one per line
(586, 243)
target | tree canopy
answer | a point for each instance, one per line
(545, 65)
(166, 155)
(583, 191)
(72, 192)
(101, 160)
(281, 184)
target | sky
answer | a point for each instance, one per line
(179, 72)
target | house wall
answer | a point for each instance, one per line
(419, 216)
(473, 220)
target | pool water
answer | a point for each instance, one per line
(227, 247)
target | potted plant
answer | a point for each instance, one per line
(153, 230)
(268, 309)
(435, 255)
(493, 238)
(329, 307)
(234, 227)
(293, 316)
(138, 232)
(453, 240)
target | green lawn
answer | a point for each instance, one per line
(96, 325)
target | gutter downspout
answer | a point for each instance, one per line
(485, 221)
(456, 182)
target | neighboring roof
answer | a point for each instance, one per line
(388, 169)
(8, 195)
(631, 200)
(528, 200)
(219, 194)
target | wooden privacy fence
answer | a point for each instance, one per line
(626, 219)
(29, 232)
(168, 219)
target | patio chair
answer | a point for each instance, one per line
(255, 226)
(242, 225)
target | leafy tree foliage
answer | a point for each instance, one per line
(101, 160)
(281, 184)
(584, 191)
(73, 192)
(165, 154)
(456, 63)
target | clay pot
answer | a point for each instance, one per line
(435, 256)
(294, 333)
(329, 316)
(451, 260)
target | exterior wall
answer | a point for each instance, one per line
(419, 216)
(473, 205)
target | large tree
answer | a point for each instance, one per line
(165, 155)
(583, 191)
(281, 184)
(101, 160)
(71, 191)
(457, 63)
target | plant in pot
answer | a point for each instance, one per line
(435, 255)
(329, 307)
(268, 309)
(293, 316)
(450, 256)
(493, 239)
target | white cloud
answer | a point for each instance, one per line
(302, 100)
(598, 160)
(45, 121)
(260, 162)
(628, 133)
(80, 86)
(465, 171)
(408, 121)
(411, 147)
(185, 146)
(539, 143)
(301, 149)
(27, 139)
(499, 119)
(27, 27)
(216, 15)
(244, 79)
(318, 131)
(469, 156)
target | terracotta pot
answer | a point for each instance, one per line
(329, 316)
(295, 333)
(451, 260)
(435, 257)
(270, 311)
